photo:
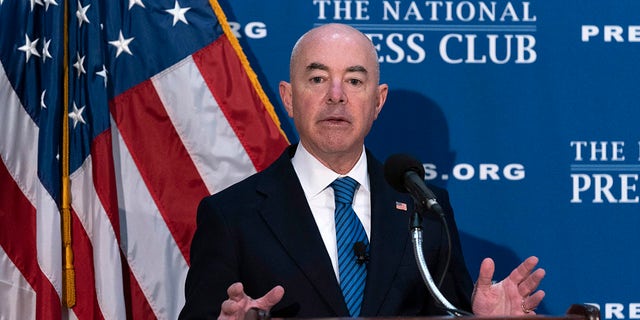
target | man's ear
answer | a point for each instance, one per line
(383, 90)
(286, 96)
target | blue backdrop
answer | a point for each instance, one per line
(526, 111)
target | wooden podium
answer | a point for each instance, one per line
(575, 312)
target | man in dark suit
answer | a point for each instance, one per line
(273, 235)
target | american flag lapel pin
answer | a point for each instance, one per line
(401, 206)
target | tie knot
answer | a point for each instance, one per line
(344, 188)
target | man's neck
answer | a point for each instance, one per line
(338, 162)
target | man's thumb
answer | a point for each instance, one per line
(487, 267)
(270, 299)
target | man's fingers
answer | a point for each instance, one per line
(270, 299)
(236, 291)
(233, 307)
(532, 302)
(523, 270)
(230, 307)
(536, 298)
(485, 276)
(239, 302)
(531, 283)
(525, 278)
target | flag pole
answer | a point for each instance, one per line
(69, 278)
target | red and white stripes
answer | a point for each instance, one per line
(190, 131)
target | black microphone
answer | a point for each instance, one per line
(406, 174)
(360, 251)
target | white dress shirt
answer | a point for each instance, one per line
(316, 179)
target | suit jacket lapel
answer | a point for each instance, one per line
(389, 237)
(290, 218)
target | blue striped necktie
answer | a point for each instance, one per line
(349, 230)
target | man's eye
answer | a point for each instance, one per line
(316, 80)
(355, 82)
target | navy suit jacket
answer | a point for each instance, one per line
(262, 233)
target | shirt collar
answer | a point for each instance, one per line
(315, 177)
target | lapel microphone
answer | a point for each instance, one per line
(360, 251)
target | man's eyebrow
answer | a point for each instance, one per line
(357, 68)
(317, 66)
(320, 66)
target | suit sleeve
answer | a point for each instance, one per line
(213, 264)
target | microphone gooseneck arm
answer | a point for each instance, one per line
(416, 237)
(406, 174)
(426, 202)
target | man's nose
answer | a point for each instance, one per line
(336, 92)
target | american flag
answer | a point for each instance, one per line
(163, 109)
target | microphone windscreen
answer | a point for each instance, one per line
(397, 166)
(359, 249)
